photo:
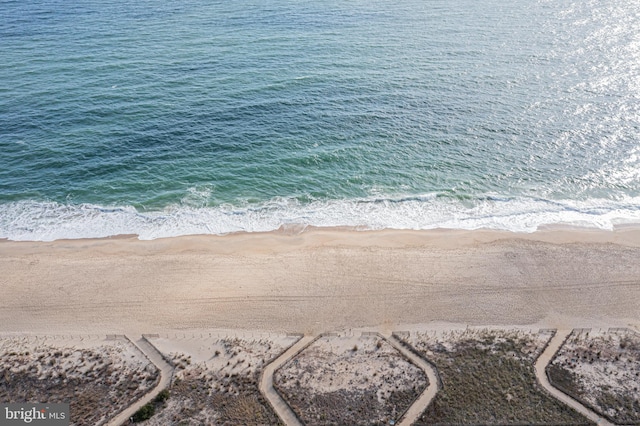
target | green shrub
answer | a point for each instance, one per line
(162, 396)
(144, 413)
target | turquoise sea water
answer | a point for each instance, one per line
(165, 118)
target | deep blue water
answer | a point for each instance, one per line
(161, 119)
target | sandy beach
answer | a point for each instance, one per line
(322, 280)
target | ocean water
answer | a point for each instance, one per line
(163, 118)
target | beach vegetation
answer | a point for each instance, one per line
(334, 381)
(600, 370)
(101, 382)
(144, 413)
(162, 396)
(228, 391)
(488, 378)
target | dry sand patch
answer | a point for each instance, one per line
(97, 377)
(602, 370)
(349, 380)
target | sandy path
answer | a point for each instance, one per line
(166, 371)
(281, 408)
(320, 281)
(420, 405)
(541, 363)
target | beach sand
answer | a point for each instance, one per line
(322, 280)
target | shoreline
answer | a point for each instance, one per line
(624, 234)
(32, 220)
(322, 280)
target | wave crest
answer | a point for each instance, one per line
(47, 221)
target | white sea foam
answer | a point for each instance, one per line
(47, 221)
